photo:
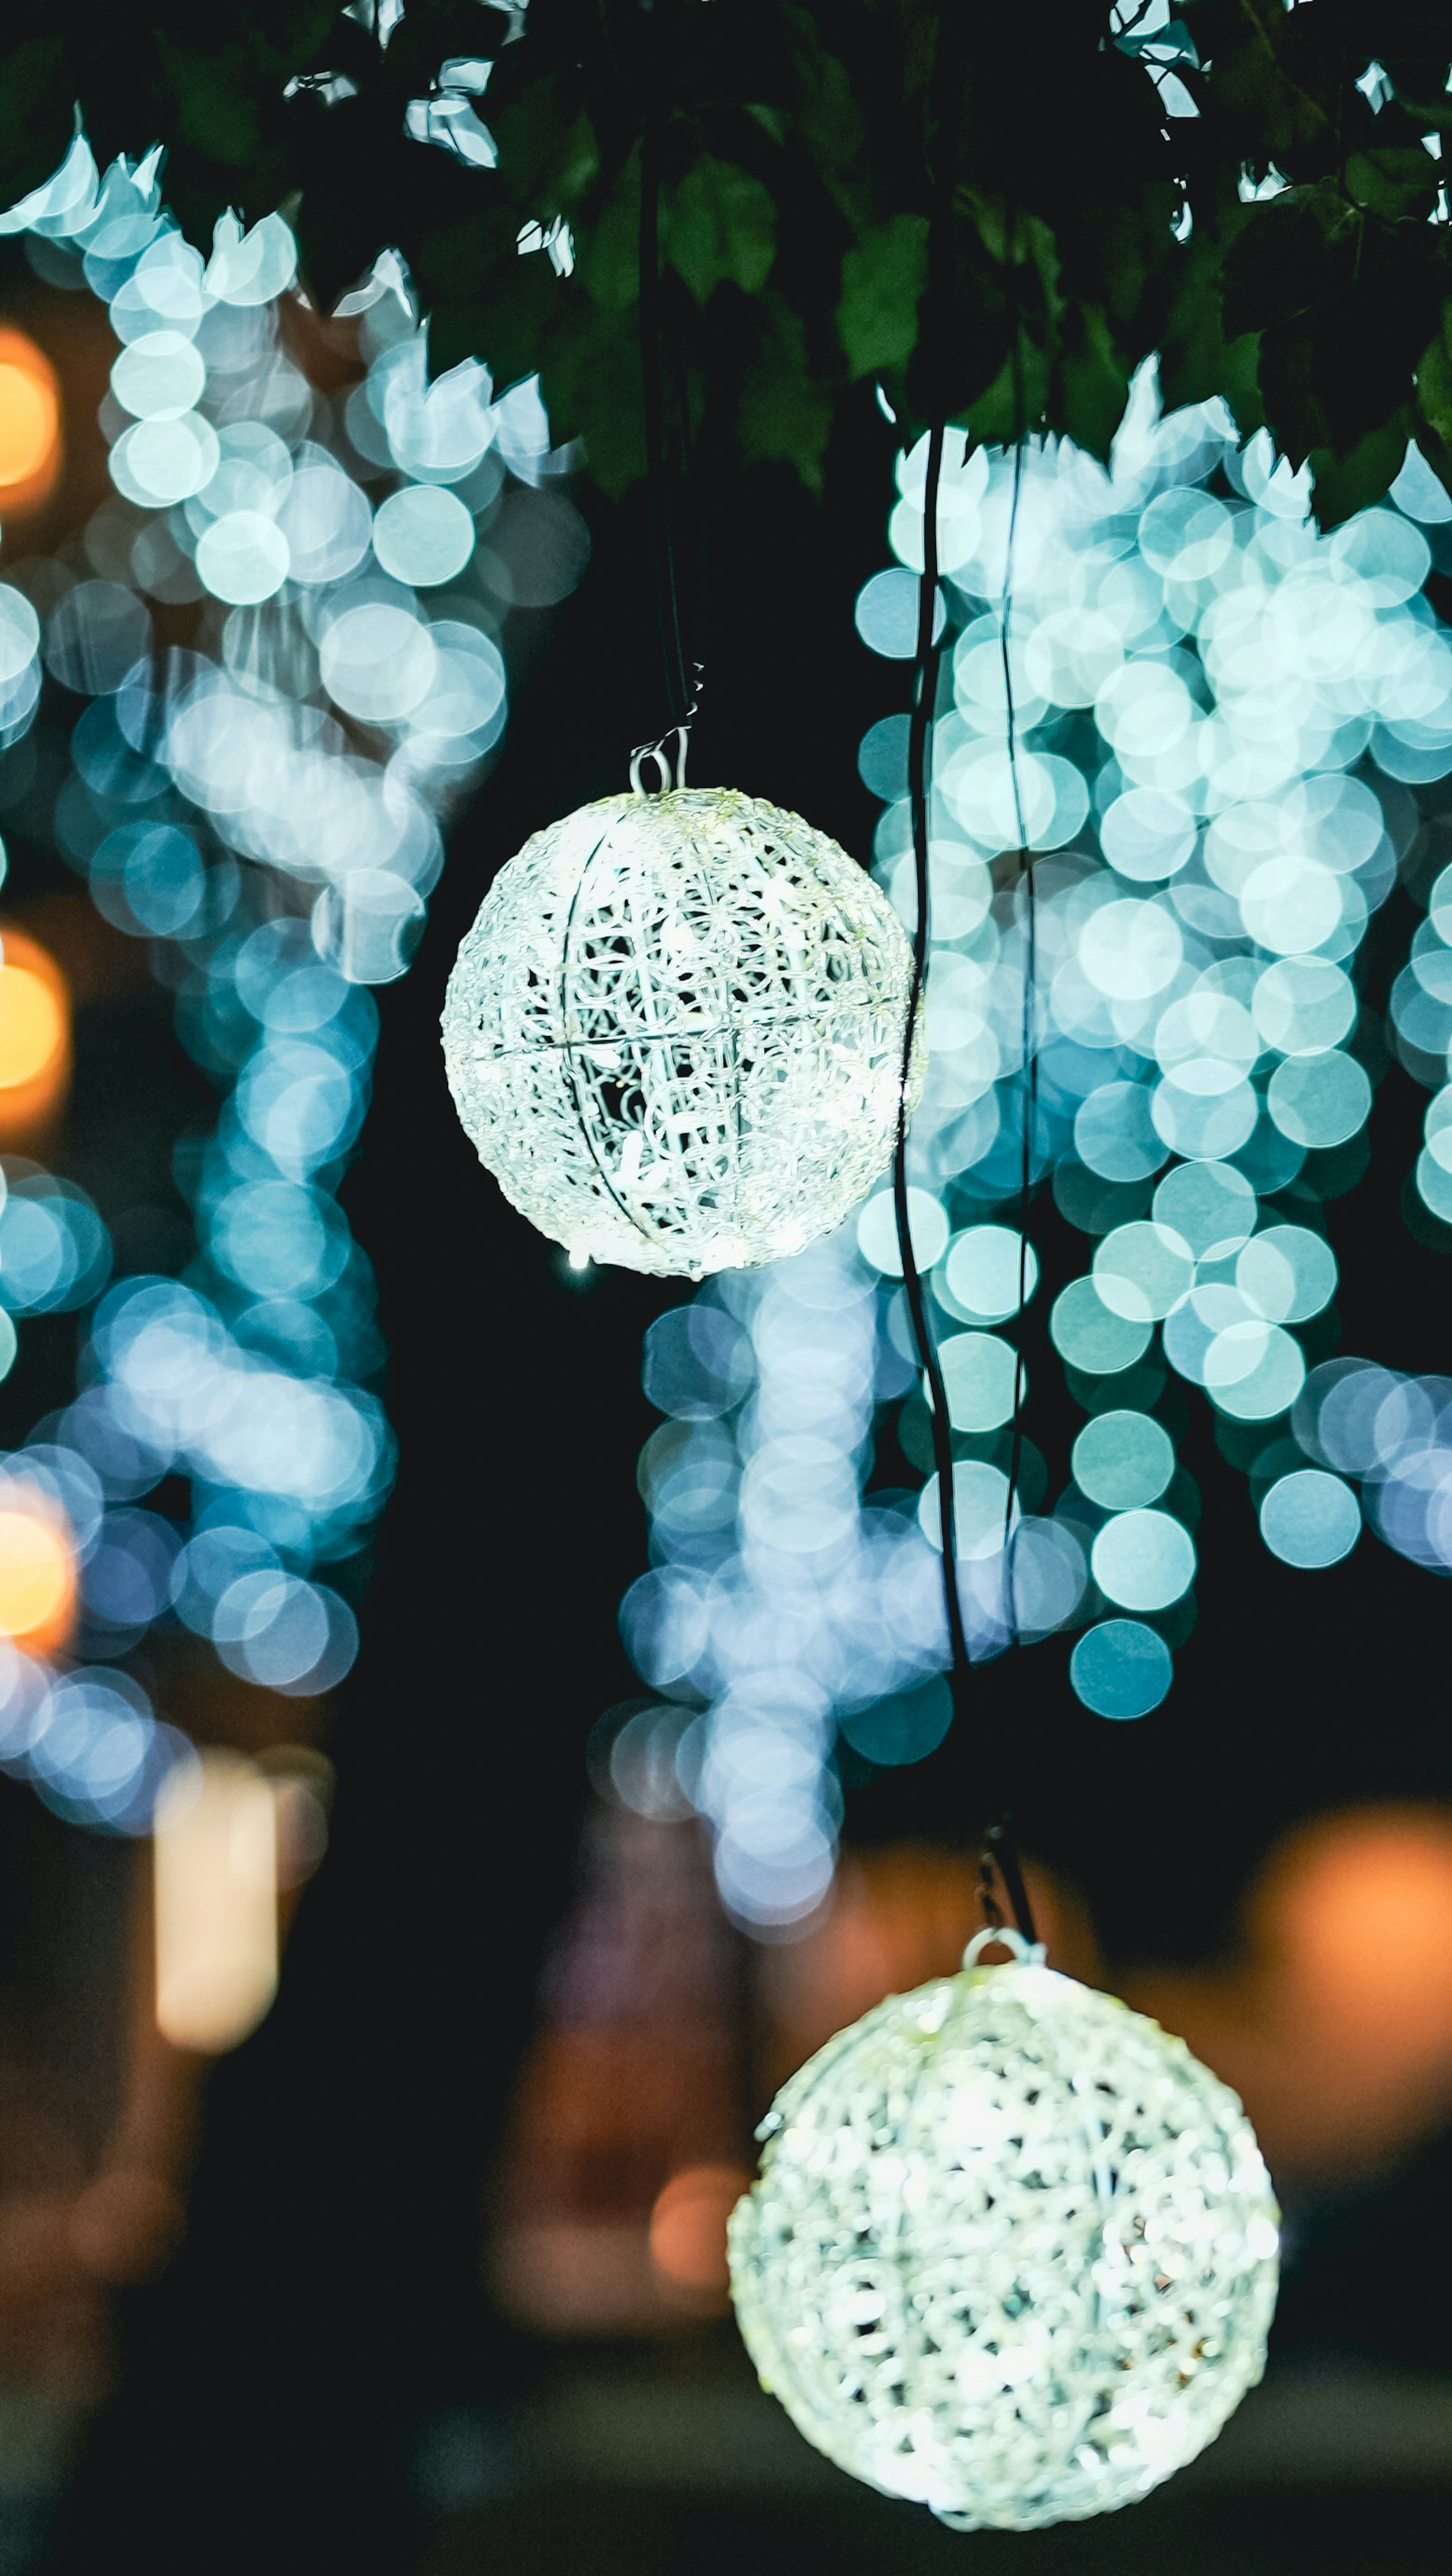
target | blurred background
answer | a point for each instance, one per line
(367, 2130)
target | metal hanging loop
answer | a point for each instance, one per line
(994, 1936)
(657, 753)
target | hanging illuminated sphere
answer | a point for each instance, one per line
(1013, 2251)
(675, 1031)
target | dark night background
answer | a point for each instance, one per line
(326, 2301)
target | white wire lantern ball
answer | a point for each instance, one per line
(1013, 2250)
(675, 1031)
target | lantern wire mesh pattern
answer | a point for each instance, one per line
(1013, 2251)
(675, 1031)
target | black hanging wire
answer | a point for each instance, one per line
(1002, 1853)
(999, 1851)
(998, 1867)
(925, 693)
(679, 699)
(936, 310)
(1025, 858)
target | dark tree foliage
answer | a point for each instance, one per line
(978, 209)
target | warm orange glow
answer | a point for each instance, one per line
(35, 1036)
(32, 1025)
(897, 1916)
(1335, 2023)
(215, 1862)
(37, 1578)
(30, 423)
(27, 424)
(1359, 1908)
(688, 2228)
(125, 2224)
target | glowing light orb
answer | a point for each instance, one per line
(675, 1031)
(37, 1579)
(688, 2230)
(33, 1028)
(35, 1038)
(1013, 2252)
(30, 422)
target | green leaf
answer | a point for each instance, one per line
(882, 285)
(1095, 386)
(830, 120)
(483, 300)
(1395, 183)
(1355, 362)
(1434, 384)
(1196, 359)
(783, 415)
(1436, 452)
(769, 119)
(803, 146)
(1291, 256)
(1286, 371)
(548, 151)
(608, 250)
(215, 113)
(719, 229)
(590, 380)
(1017, 396)
(1346, 484)
(430, 32)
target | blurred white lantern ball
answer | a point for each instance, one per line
(1013, 2251)
(675, 1031)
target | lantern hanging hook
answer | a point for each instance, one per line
(996, 1936)
(660, 754)
(998, 1866)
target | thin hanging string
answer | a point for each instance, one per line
(935, 313)
(949, 71)
(1029, 1048)
(925, 695)
(1029, 1045)
(658, 482)
(1000, 1860)
(1001, 1853)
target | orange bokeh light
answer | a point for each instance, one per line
(32, 1025)
(898, 1915)
(37, 1576)
(1356, 1909)
(688, 2229)
(1334, 2021)
(30, 423)
(35, 1035)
